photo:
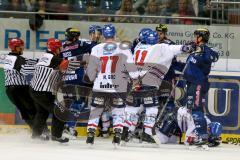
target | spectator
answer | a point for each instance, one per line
(60, 6)
(167, 10)
(16, 5)
(81, 5)
(185, 9)
(126, 9)
(30, 4)
(3, 4)
(152, 9)
(109, 7)
(90, 9)
(199, 7)
(36, 21)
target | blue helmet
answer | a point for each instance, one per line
(151, 37)
(142, 34)
(109, 31)
(215, 129)
(94, 28)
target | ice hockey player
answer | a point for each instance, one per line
(169, 129)
(170, 76)
(107, 65)
(155, 62)
(214, 133)
(133, 108)
(76, 50)
(140, 39)
(17, 86)
(41, 91)
(196, 75)
(95, 34)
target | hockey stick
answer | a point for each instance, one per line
(161, 114)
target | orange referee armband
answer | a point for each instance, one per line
(64, 65)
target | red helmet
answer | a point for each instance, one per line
(53, 44)
(15, 42)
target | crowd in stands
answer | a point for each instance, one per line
(182, 8)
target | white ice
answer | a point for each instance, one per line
(20, 146)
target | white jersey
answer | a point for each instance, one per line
(157, 62)
(107, 65)
(140, 53)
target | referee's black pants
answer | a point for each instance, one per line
(44, 102)
(21, 98)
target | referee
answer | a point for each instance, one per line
(41, 90)
(17, 86)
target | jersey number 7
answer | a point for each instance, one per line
(105, 60)
(140, 57)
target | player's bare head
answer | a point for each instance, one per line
(95, 33)
(201, 35)
(54, 46)
(16, 45)
(162, 31)
(72, 34)
(109, 32)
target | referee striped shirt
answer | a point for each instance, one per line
(45, 75)
(12, 66)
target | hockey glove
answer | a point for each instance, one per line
(187, 48)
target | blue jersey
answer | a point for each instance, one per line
(199, 65)
(75, 51)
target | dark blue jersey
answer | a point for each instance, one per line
(199, 65)
(75, 51)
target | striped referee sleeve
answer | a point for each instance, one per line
(44, 78)
(14, 78)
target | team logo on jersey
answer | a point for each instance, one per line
(109, 47)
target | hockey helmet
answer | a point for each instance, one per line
(215, 129)
(71, 33)
(94, 28)
(15, 42)
(202, 32)
(53, 44)
(162, 28)
(109, 31)
(152, 37)
(142, 34)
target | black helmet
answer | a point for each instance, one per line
(71, 33)
(203, 32)
(161, 28)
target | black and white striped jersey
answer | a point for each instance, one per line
(12, 66)
(45, 73)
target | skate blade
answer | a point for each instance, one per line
(90, 145)
(70, 137)
(200, 147)
(123, 143)
(116, 145)
(156, 140)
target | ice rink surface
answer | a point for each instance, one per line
(20, 146)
